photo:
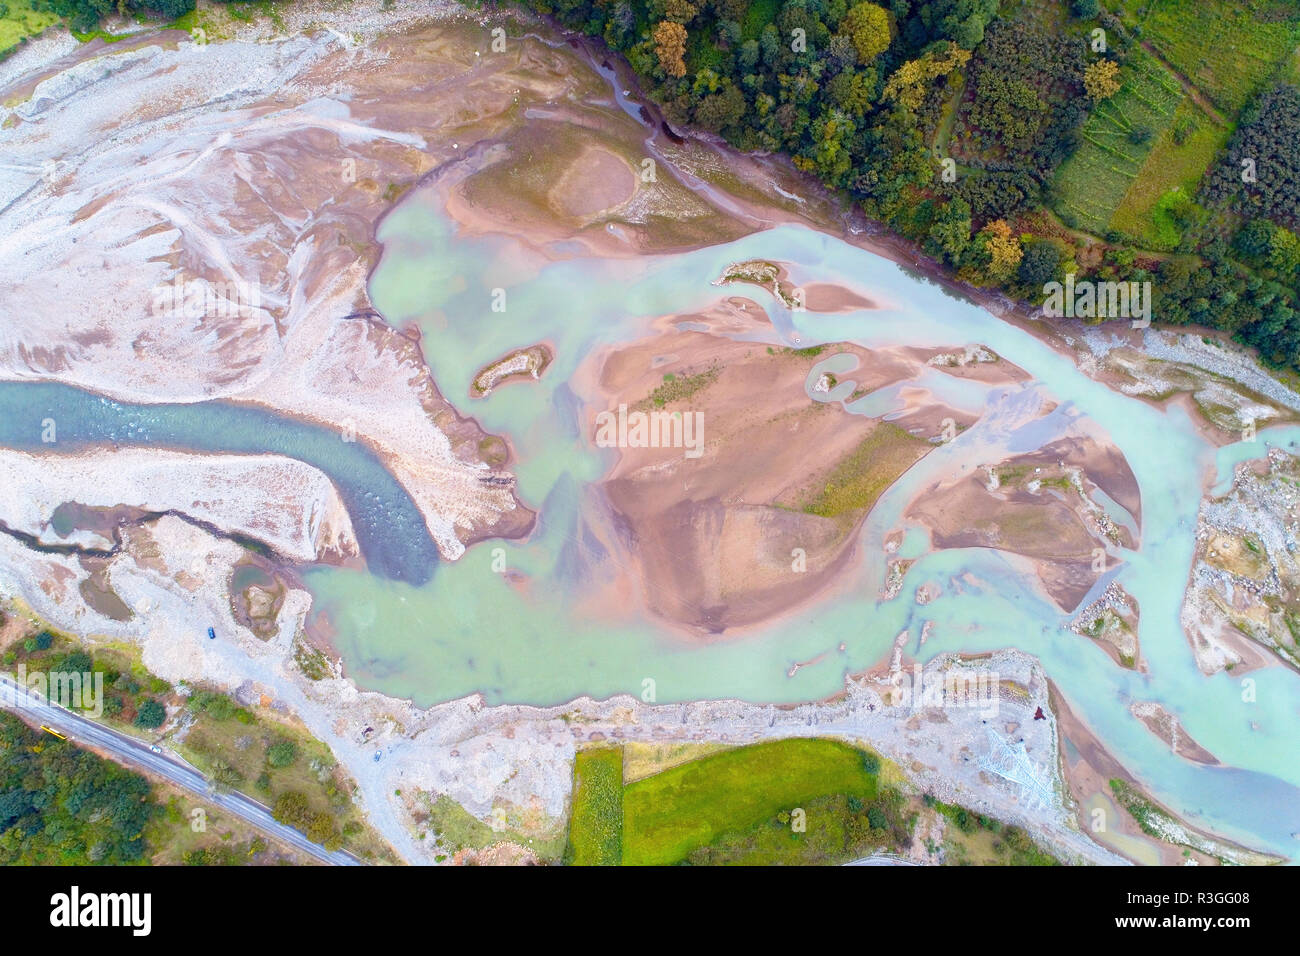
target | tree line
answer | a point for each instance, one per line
(948, 125)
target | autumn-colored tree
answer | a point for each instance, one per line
(867, 25)
(911, 81)
(670, 47)
(1003, 248)
(1100, 79)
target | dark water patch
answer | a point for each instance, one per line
(99, 594)
(256, 597)
(668, 131)
(53, 418)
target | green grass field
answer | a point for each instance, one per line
(1228, 49)
(596, 825)
(22, 21)
(1170, 167)
(857, 481)
(668, 815)
(1094, 182)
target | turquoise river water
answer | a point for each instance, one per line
(411, 629)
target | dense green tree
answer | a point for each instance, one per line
(63, 805)
(281, 753)
(1259, 173)
(1041, 264)
(150, 714)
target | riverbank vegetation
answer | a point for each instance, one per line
(248, 748)
(596, 823)
(63, 805)
(793, 802)
(854, 484)
(1015, 143)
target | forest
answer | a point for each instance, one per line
(61, 805)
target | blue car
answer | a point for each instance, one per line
(212, 634)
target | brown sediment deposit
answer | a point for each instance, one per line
(1039, 506)
(1169, 728)
(766, 516)
(974, 362)
(595, 181)
(577, 176)
(828, 298)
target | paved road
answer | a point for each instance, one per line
(137, 753)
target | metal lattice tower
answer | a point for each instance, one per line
(1011, 762)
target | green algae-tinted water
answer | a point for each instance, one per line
(469, 629)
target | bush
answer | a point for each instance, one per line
(281, 753)
(151, 714)
(876, 817)
(1039, 265)
(1017, 839)
(322, 830)
(291, 808)
(1140, 134)
(870, 763)
(1085, 9)
(171, 9)
(224, 773)
(77, 662)
(216, 706)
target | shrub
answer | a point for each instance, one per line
(281, 753)
(291, 808)
(150, 714)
